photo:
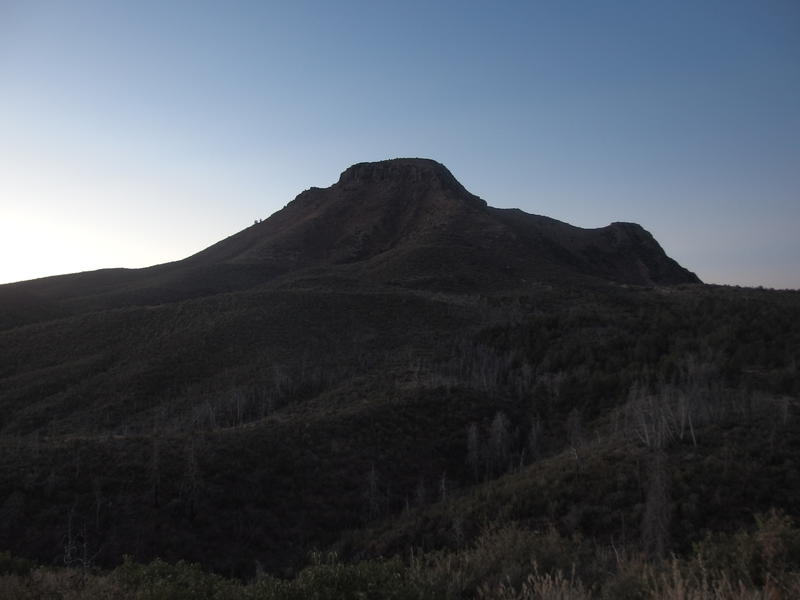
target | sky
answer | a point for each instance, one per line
(136, 133)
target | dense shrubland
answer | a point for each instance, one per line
(506, 563)
(608, 442)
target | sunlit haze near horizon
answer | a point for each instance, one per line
(136, 133)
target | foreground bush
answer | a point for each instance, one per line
(509, 563)
(328, 578)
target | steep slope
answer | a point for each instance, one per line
(405, 222)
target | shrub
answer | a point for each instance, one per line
(771, 549)
(327, 578)
(160, 580)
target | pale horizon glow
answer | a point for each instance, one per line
(133, 134)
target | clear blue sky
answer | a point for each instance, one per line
(139, 132)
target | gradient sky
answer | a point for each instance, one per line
(138, 132)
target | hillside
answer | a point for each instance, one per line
(406, 223)
(391, 364)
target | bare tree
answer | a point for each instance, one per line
(77, 551)
(473, 451)
(421, 494)
(192, 484)
(372, 494)
(657, 511)
(155, 467)
(97, 488)
(574, 427)
(499, 442)
(534, 438)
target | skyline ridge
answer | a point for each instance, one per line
(375, 190)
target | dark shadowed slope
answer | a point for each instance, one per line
(405, 222)
(405, 219)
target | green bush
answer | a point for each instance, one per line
(160, 580)
(498, 557)
(328, 578)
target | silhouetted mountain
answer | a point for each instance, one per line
(410, 222)
(406, 222)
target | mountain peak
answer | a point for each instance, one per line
(401, 170)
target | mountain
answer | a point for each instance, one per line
(390, 364)
(410, 222)
(403, 222)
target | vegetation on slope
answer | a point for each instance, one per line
(246, 429)
(510, 563)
